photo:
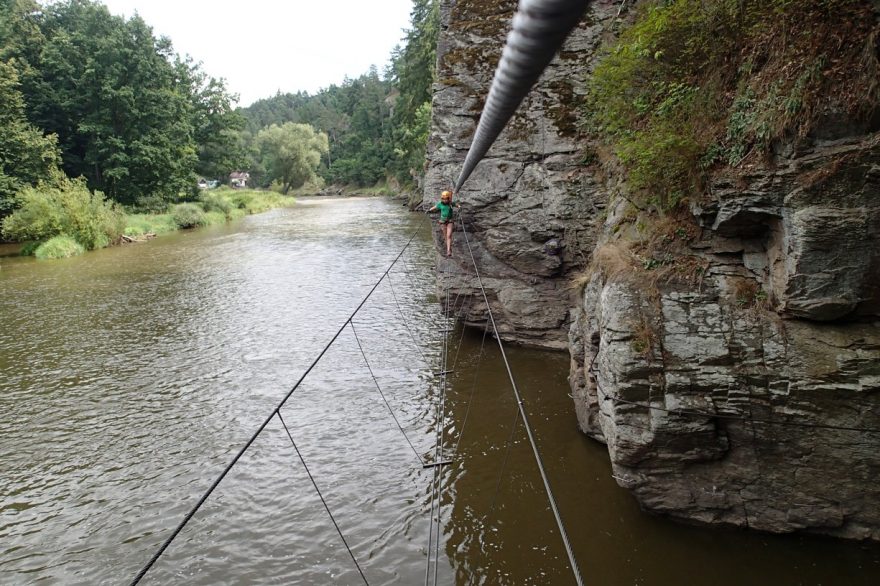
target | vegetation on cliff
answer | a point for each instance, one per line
(696, 85)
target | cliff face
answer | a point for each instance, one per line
(531, 210)
(747, 392)
(729, 355)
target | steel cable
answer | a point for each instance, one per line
(321, 496)
(521, 405)
(538, 30)
(189, 515)
(382, 394)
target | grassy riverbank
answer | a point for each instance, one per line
(67, 220)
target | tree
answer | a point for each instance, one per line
(216, 125)
(122, 111)
(26, 155)
(413, 69)
(291, 153)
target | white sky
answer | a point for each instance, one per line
(262, 46)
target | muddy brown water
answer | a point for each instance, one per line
(129, 377)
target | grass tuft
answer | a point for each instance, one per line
(59, 247)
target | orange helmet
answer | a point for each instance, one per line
(445, 194)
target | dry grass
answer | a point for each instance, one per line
(749, 295)
(644, 339)
(611, 261)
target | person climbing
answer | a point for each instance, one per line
(445, 206)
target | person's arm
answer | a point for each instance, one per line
(433, 209)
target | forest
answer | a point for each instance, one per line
(99, 110)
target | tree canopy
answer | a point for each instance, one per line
(377, 125)
(85, 93)
(130, 115)
(291, 153)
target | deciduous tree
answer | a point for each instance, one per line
(291, 153)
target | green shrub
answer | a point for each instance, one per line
(236, 213)
(215, 202)
(697, 83)
(188, 215)
(66, 207)
(29, 248)
(257, 202)
(214, 219)
(59, 247)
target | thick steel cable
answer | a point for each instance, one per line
(382, 394)
(321, 496)
(253, 438)
(539, 28)
(520, 403)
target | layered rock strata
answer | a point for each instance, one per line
(737, 381)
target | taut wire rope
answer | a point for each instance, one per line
(405, 321)
(435, 478)
(522, 413)
(538, 30)
(321, 496)
(189, 515)
(471, 396)
(382, 394)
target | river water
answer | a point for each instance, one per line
(129, 377)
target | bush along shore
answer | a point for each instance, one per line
(65, 218)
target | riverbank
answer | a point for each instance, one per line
(71, 230)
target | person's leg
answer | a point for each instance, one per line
(449, 238)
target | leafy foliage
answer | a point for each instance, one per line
(132, 117)
(377, 126)
(66, 207)
(291, 153)
(693, 84)
(26, 155)
(188, 215)
(59, 247)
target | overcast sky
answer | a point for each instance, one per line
(262, 46)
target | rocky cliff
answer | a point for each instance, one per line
(727, 353)
(532, 211)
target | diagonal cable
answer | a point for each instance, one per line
(405, 322)
(321, 496)
(143, 571)
(382, 394)
(473, 388)
(521, 404)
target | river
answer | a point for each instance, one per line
(130, 376)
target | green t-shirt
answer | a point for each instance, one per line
(445, 211)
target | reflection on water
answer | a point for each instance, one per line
(130, 376)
